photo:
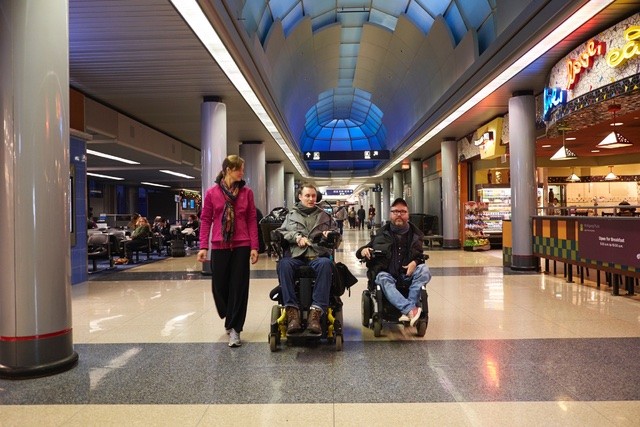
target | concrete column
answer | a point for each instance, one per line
(132, 199)
(377, 204)
(213, 146)
(398, 186)
(275, 185)
(35, 290)
(386, 200)
(450, 197)
(417, 187)
(522, 116)
(289, 190)
(254, 174)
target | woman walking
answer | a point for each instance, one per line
(229, 212)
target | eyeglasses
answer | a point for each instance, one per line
(395, 212)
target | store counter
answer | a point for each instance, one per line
(610, 244)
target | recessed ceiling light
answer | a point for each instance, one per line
(181, 175)
(98, 175)
(110, 157)
(155, 185)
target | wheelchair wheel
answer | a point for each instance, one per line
(339, 342)
(273, 342)
(367, 308)
(421, 328)
(377, 326)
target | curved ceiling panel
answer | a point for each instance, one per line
(327, 56)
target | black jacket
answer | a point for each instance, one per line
(383, 242)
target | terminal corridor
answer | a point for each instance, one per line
(501, 349)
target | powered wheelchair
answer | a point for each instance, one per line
(331, 320)
(376, 309)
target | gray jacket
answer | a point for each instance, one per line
(311, 226)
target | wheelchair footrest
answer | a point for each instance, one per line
(304, 334)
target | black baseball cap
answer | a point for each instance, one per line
(399, 201)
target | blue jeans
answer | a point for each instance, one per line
(321, 289)
(421, 276)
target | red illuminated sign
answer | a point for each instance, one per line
(584, 61)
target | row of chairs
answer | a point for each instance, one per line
(108, 246)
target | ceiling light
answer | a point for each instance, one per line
(571, 138)
(615, 138)
(611, 176)
(155, 185)
(181, 175)
(595, 151)
(563, 153)
(97, 175)
(573, 177)
(546, 146)
(110, 157)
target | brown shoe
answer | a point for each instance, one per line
(314, 321)
(293, 320)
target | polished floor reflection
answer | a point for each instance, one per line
(500, 349)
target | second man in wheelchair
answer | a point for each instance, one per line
(306, 228)
(394, 256)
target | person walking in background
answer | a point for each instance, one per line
(352, 217)
(361, 215)
(229, 212)
(340, 215)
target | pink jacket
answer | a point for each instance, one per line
(246, 226)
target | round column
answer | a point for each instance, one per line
(398, 186)
(35, 290)
(377, 206)
(522, 116)
(289, 190)
(254, 174)
(450, 197)
(275, 185)
(213, 145)
(417, 187)
(386, 200)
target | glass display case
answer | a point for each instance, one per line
(498, 200)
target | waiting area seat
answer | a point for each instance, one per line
(99, 246)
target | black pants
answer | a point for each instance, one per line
(230, 285)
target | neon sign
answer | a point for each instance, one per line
(552, 96)
(584, 61)
(617, 57)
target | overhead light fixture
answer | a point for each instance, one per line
(181, 175)
(611, 176)
(110, 157)
(573, 177)
(155, 185)
(615, 138)
(563, 153)
(98, 175)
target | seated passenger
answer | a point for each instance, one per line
(303, 228)
(139, 239)
(191, 229)
(397, 258)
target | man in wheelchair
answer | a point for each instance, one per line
(311, 234)
(394, 256)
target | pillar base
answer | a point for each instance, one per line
(206, 269)
(38, 357)
(451, 244)
(524, 263)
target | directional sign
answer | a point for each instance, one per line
(347, 155)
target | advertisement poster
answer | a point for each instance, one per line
(616, 242)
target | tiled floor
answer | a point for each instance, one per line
(501, 349)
